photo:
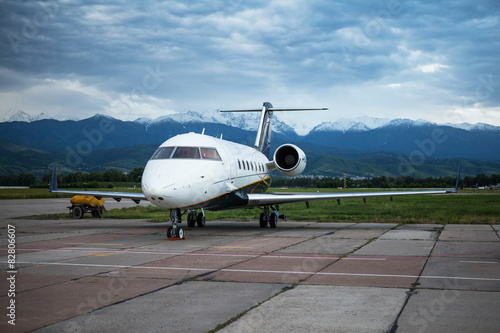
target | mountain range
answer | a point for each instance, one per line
(250, 121)
(20, 115)
(363, 146)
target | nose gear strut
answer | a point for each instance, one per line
(175, 231)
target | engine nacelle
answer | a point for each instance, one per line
(290, 160)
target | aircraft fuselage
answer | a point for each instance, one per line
(193, 171)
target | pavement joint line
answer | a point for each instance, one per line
(263, 271)
(94, 250)
(479, 262)
(461, 254)
(117, 266)
(343, 256)
(414, 284)
(103, 250)
(371, 259)
(233, 247)
(92, 243)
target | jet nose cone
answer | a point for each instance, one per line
(170, 196)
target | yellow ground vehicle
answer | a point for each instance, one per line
(81, 204)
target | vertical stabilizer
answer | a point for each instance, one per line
(263, 139)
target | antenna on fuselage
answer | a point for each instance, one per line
(263, 139)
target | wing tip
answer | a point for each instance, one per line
(53, 180)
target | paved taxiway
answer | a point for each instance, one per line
(96, 275)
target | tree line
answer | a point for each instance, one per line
(111, 176)
(24, 179)
(92, 179)
(387, 182)
(74, 179)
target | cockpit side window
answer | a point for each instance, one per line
(187, 152)
(162, 153)
(210, 154)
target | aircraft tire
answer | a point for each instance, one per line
(180, 232)
(77, 212)
(191, 219)
(262, 220)
(272, 221)
(176, 232)
(200, 220)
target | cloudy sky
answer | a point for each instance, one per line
(435, 60)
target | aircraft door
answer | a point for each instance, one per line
(231, 167)
(232, 171)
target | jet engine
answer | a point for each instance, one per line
(290, 160)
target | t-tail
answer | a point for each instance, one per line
(263, 138)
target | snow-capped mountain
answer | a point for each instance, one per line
(474, 127)
(16, 115)
(248, 121)
(404, 122)
(20, 115)
(363, 124)
(359, 124)
(368, 136)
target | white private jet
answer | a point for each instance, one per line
(191, 172)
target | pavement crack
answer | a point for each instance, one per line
(413, 290)
(238, 316)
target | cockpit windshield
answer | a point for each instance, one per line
(162, 153)
(187, 152)
(205, 153)
(210, 154)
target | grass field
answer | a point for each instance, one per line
(468, 207)
(42, 193)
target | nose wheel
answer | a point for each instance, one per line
(175, 231)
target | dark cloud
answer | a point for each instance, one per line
(293, 52)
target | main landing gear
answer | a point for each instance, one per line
(270, 218)
(175, 231)
(196, 219)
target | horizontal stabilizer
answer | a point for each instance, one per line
(273, 109)
(263, 139)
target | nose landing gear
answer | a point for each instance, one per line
(175, 231)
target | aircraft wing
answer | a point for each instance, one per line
(255, 200)
(115, 195)
(136, 197)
